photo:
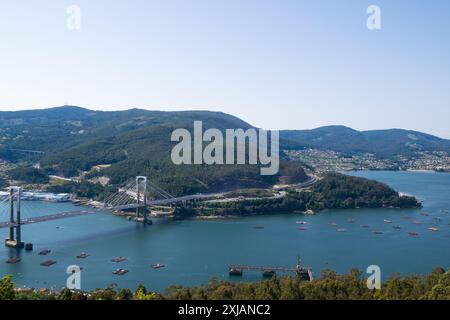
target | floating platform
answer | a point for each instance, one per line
(268, 273)
(13, 260)
(235, 272)
(120, 272)
(48, 263)
(83, 255)
(118, 259)
(44, 252)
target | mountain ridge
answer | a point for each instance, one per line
(137, 142)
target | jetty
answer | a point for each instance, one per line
(303, 272)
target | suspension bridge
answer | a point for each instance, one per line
(137, 194)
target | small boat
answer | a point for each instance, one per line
(83, 255)
(118, 259)
(157, 266)
(120, 272)
(350, 220)
(424, 214)
(387, 221)
(259, 227)
(377, 232)
(407, 217)
(433, 229)
(417, 222)
(413, 233)
(235, 272)
(302, 229)
(364, 226)
(341, 230)
(48, 263)
(13, 260)
(301, 222)
(44, 252)
(396, 227)
(332, 224)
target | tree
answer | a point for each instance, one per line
(7, 291)
(125, 294)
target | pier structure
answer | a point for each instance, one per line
(15, 232)
(303, 272)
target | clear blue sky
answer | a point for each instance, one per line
(277, 64)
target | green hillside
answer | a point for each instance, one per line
(132, 142)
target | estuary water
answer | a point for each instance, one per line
(196, 250)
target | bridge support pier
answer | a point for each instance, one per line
(141, 211)
(15, 231)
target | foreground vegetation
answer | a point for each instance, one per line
(329, 286)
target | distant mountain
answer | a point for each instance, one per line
(133, 142)
(382, 143)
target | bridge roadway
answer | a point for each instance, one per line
(167, 201)
(62, 215)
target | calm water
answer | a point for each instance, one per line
(194, 251)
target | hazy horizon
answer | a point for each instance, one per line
(276, 64)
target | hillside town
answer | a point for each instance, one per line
(327, 160)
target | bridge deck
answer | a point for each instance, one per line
(55, 216)
(62, 215)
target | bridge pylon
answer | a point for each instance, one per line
(15, 230)
(141, 197)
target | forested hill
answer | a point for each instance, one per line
(132, 142)
(382, 143)
(69, 141)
